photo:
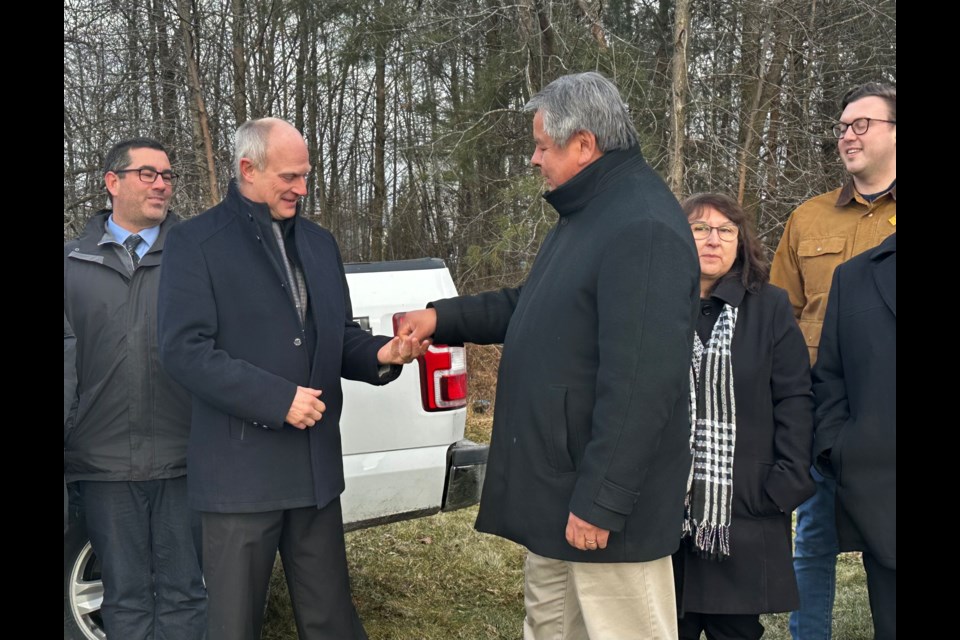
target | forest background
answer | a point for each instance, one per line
(412, 108)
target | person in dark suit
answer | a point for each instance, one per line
(589, 455)
(855, 385)
(256, 322)
(753, 430)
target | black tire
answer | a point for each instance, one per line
(82, 588)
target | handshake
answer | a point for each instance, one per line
(413, 333)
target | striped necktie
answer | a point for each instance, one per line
(131, 244)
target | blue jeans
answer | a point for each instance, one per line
(815, 562)
(146, 538)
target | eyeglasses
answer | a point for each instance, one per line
(859, 126)
(149, 175)
(702, 231)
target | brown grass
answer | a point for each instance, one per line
(437, 579)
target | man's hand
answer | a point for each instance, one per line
(401, 350)
(584, 536)
(419, 324)
(307, 408)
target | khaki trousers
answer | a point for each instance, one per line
(599, 601)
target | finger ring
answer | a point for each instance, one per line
(590, 543)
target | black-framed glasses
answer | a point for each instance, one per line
(726, 232)
(860, 126)
(149, 175)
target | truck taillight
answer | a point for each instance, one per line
(443, 375)
(443, 378)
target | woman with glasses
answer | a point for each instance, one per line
(752, 422)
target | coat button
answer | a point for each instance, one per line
(297, 342)
(563, 222)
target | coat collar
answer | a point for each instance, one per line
(730, 289)
(573, 196)
(97, 241)
(258, 211)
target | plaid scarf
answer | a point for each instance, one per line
(713, 436)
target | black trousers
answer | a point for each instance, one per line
(720, 626)
(145, 535)
(882, 590)
(239, 550)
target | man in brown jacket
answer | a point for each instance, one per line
(821, 234)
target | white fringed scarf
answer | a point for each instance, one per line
(713, 435)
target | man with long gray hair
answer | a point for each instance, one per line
(589, 458)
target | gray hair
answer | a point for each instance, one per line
(251, 143)
(585, 102)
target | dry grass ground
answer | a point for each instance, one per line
(437, 579)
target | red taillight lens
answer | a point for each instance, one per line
(454, 387)
(443, 375)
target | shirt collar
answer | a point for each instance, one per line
(849, 192)
(116, 233)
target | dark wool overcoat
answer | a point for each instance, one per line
(591, 409)
(771, 462)
(855, 386)
(231, 334)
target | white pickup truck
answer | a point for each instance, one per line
(405, 455)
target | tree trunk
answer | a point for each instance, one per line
(238, 10)
(201, 123)
(379, 201)
(678, 96)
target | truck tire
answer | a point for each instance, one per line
(82, 588)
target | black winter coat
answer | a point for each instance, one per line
(230, 333)
(771, 462)
(131, 421)
(591, 410)
(855, 385)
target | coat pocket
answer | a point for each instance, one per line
(756, 501)
(836, 452)
(558, 433)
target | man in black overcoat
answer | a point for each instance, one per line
(256, 322)
(855, 442)
(590, 451)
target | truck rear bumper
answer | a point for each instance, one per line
(466, 468)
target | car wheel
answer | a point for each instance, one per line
(82, 588)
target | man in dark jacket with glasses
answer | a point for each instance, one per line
(125, 442)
